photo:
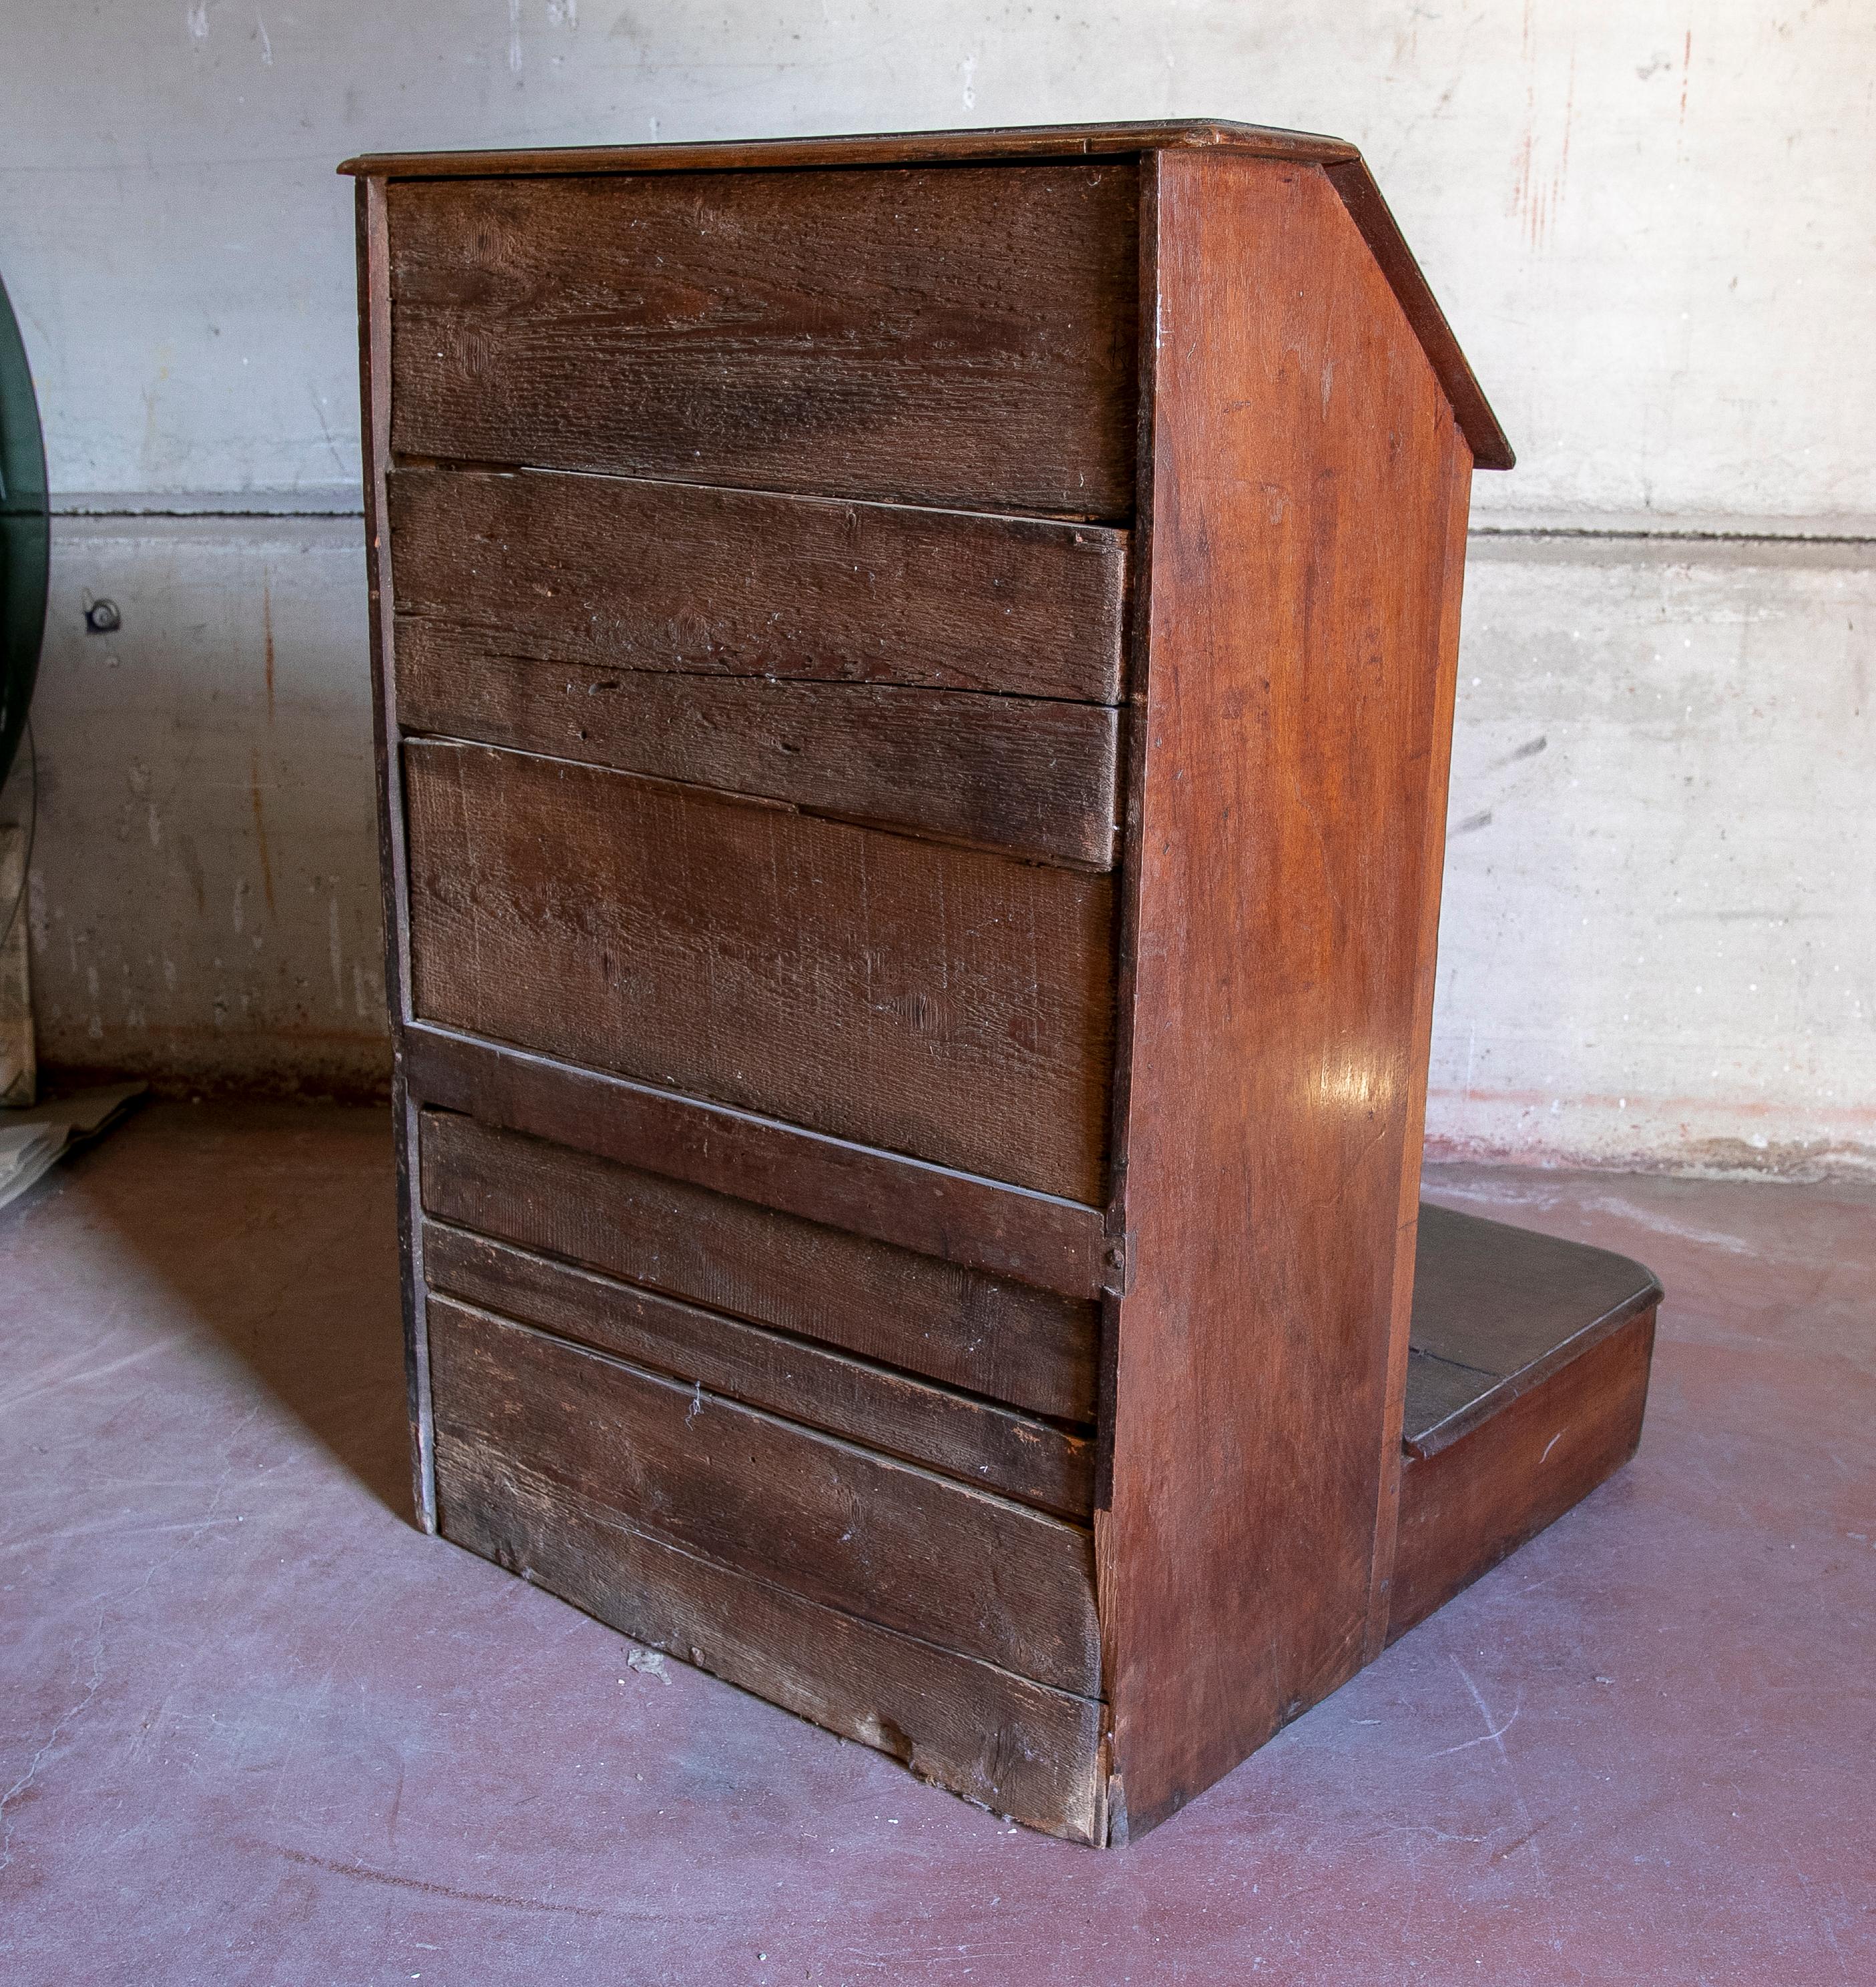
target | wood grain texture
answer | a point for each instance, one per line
(1008, 1744)
(1006, 1341)
(928, 999)
(957, 334)
(1016, 1455)
(619, 573)
(1295, 623)
(1497, 1310)
(1035, 1239)
(1026, 775)
(1033, 141)
(1466, 1508)
(895, 1545)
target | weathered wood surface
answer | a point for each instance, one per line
(929, 998)
(1497, 1310)
(999, 1739)
(1294, 620)
(1008, 142)
(1028, 775)
(1006, 1341)
(1473, 1503)
(896, 1545)
(957, 334)
(1015, 1455)
(959, 1218)
(626, 574)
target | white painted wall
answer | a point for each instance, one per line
(1650, 225)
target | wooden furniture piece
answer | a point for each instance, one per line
(915, 679)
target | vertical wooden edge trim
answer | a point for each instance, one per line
(1433, 848)
(374, 394)
(1355, 187)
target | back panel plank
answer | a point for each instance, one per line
(1028, 774)
(1293, 701)
(932, 1000)
(1015, 1455)
(1007, 1341)
(1036, 1238)
(626, 574)
(961, 336)
(893, 1544)
(1013, 1745)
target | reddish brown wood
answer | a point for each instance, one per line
(1467, 1506)
(1010, 1744)
(1025, 775)
(1291, 696)
(1015, 1455)
(1047, 141)
(977, 1224)
(1006, 1341)
(930, 999)
(958, 334)
(616, 573)
(842, 1527)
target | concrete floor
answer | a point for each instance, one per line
(254, 1728)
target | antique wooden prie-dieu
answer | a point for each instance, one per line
(915, 680)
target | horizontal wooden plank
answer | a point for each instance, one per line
(1015, 1455)
(1497, 1309)
(998, 1739)
(1044, 141)
(1029, 775)
(990, 1336)
(1006, 1232)
(932, 1000)
(621, 573)
(896, 1545)
(1468, 1506)
(957, 334)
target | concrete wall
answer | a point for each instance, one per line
(1650, 226)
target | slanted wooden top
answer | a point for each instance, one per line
(1341, 161)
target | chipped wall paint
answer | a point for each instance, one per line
(1649, 224)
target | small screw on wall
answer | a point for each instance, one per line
(102, 618)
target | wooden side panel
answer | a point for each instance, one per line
(1029, 775)
(1300, 494)
(622, 574)
(998, 1739)
(1469, 1507)
(1007, 1341)
(931, 999)
(844, 1528)
(1015, 1455)
(958, 335)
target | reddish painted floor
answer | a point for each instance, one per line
(254, 1728)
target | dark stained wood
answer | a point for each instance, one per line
(1497, 1310)
(979, 1224)
(1355, 186)
(1291, 698)
(1419, 1047)
(1031, 777)
(1015, 1455)
(927, 998)
(895, 1545)
(374, 356)
(954, 335)
(1008, 1744)
(618, 573)
(1467, 1506)
(1006, 1341)
(1046, 141)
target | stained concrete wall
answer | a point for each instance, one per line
(1649, 224)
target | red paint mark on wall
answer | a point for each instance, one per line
(1687, 71)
